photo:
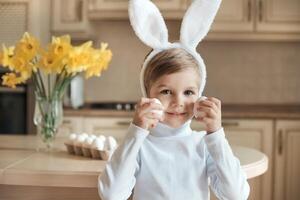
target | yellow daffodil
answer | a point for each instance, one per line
(1, 58)
(60, 46)
(78, 59)
(18, 64)
(61, 59)
(25, 75)
(106, 55)
(8, 54)
(27, 47)
(100, 61)
(11, 80)
(50, 63)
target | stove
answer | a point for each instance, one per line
(124, 106)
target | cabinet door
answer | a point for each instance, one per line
(116, 127)
(118, 9)
(235, 16)
(255, 134)
(287, 160)
(70, 125)
(278, 16)
(69, 16)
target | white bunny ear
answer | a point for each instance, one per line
(148, 23)
(197, 21)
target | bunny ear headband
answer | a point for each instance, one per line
(150, 27)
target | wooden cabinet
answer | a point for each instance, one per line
(69, 16)
(270, 20)
(235, 15)
(114, 126)
(108, 126)
(118, 9)
(19, 16)
(287, 160)
(278, 16)
(257, 134)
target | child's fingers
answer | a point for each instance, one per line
(153, 123)
(200, 114)
(216, 101)
(210, 112)
(208, 103)
(142, 101)
(149, 106)
(205, 120)
(145, 105)
(153, 115)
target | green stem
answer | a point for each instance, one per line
(37, 85)
(64, 85)
(49, 87)
(59, 80)
(42, 82)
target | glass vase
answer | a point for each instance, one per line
(48, 117)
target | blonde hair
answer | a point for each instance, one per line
(168, 62)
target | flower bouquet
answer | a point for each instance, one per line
(51, 71)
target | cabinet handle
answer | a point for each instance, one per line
(66, 122)
(226, 124)
(260, 10)
(80, 10)
(280, 142)
(123, 123)
(249, 10)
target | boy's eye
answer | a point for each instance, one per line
(165, 92)
(189, 92)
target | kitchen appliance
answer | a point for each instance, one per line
(13, 109)
(74, 96)
(121, 106)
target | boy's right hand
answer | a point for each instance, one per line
(146, 115)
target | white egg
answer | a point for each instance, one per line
(159, 112)
(72, 136)
(84, 134)
(80, 139)
(98, 144)
(157, 101)
(196, 112)
(92, 136)
(88, 142)
(102, 137)
(110, 143)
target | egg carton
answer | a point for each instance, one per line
(88, 152)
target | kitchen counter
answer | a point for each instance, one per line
(24, 166)
(228, 111)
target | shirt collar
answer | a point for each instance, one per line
(163, 130)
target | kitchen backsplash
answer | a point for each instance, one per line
(237, 72)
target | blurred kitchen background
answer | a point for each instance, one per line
(252, 55)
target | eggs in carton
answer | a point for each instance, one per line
(97, 147)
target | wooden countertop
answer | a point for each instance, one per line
(22, 165)
(228, 111)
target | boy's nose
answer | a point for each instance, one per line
(178, 101)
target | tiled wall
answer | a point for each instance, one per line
(238, 72)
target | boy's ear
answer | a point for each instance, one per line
(197, 21)
(148, 23)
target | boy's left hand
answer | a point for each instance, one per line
(209, 112)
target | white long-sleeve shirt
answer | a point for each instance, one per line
(173, 164)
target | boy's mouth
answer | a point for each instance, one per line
(176, 114)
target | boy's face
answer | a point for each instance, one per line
(177, 92)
